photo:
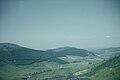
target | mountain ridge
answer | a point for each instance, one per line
(19, 55)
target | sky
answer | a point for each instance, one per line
(44, 24)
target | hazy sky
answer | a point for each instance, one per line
(43, 24)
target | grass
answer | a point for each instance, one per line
(107, 74)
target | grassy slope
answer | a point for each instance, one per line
(107, 74)
(110, 70)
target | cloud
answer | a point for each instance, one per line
(107, 36)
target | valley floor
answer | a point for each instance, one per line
(45, 71)
(53, 71)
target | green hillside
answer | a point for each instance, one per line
(108, 70)
(17, 54)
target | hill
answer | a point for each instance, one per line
(71, 51)
(107, 52)
(15, 54)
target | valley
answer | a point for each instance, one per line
(64, 63)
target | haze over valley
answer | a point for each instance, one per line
(59, 40)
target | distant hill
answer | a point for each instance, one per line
(107, 52)
(15, 54)
(64, 51)
(71, 51)
(67, 51)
